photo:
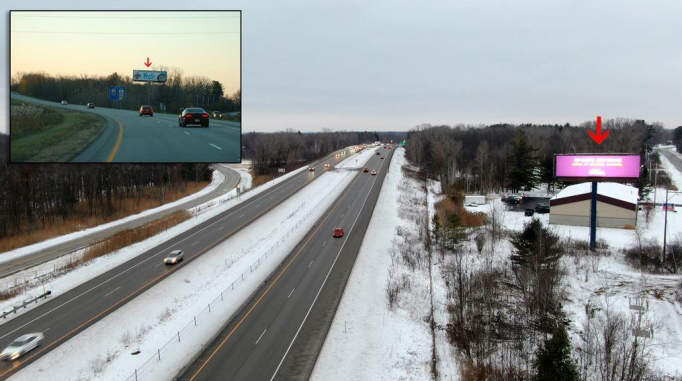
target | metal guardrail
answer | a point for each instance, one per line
(177, 337)
(26, 303)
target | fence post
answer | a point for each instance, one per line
(209, 307)
(158, 351)
(178, 336)
(233, 286)
(195, 321)
(221, 295)
(135, 374)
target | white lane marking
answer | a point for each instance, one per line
(325, 242)
(195, 243)
(109, 293)
(242, 215)
(170, 126)
(220, 228)
(292, 291)
(261, 336)
(46, 329)
(323, 283)
(159, 264)
(240, 206)
(311, 263)
(186, 132)
(343, 215)
(215, 146)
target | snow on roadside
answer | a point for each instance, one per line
(217, 179)
(152, 320)
(367, 340)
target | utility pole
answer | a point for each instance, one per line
(666, 206)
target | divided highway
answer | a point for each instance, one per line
(131, 138)
(8, 267)
(64, 316)
(278, 334)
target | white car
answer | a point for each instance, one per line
(64, 103)
(22, 345)
(173, 257)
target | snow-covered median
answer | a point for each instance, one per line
(223, 277)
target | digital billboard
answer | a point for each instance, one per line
(623, 168)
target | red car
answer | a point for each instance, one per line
(366, 170)
(193, 116)
(382, 158)
(146, 110)
(338, 233)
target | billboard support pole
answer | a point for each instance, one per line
(593, 218)
(665, 227)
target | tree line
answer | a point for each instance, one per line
(269, 151)
(35, 195)
(176, 94)
(500, 157)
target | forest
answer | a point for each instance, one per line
(501, 157)
(178, 93)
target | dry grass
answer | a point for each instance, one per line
(9, 294)
(42, 230)
(447, 207)
(259, 180)
(128, 237)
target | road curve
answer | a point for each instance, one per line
(232, 178)
(131, 138)
(64, 316)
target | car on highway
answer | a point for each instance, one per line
(146, 110)
(366, 170)
(338, 233)
(64, 103)
(378, 153)
(374, 173)
(22, 345)
(217, 114)
(193, 115)
(90, 105)
(311, 169)
(541, 208)
(327, 165)
(382, 158)
(174, 257)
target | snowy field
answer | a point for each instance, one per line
(152, 321)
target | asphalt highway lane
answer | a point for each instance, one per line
(279, 332)
(64, 316)
(130, 138)
(55, 251)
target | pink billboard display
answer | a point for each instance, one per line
(598, 166)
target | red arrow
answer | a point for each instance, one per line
(599, 137)
(147, 63)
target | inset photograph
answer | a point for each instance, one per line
(125, 86)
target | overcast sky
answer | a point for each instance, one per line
(390, 65)
(101, 43)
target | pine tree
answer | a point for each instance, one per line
(553, 361)
(523, 165)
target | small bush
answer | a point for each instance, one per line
(647, 257)
(126, 339)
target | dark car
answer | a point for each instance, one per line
(378, 153)
(541, 208)
(146, 110)
(529, 212)
(193, 116)
(366, 170)
(217, 114)
(90, 105)
(338, 233)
